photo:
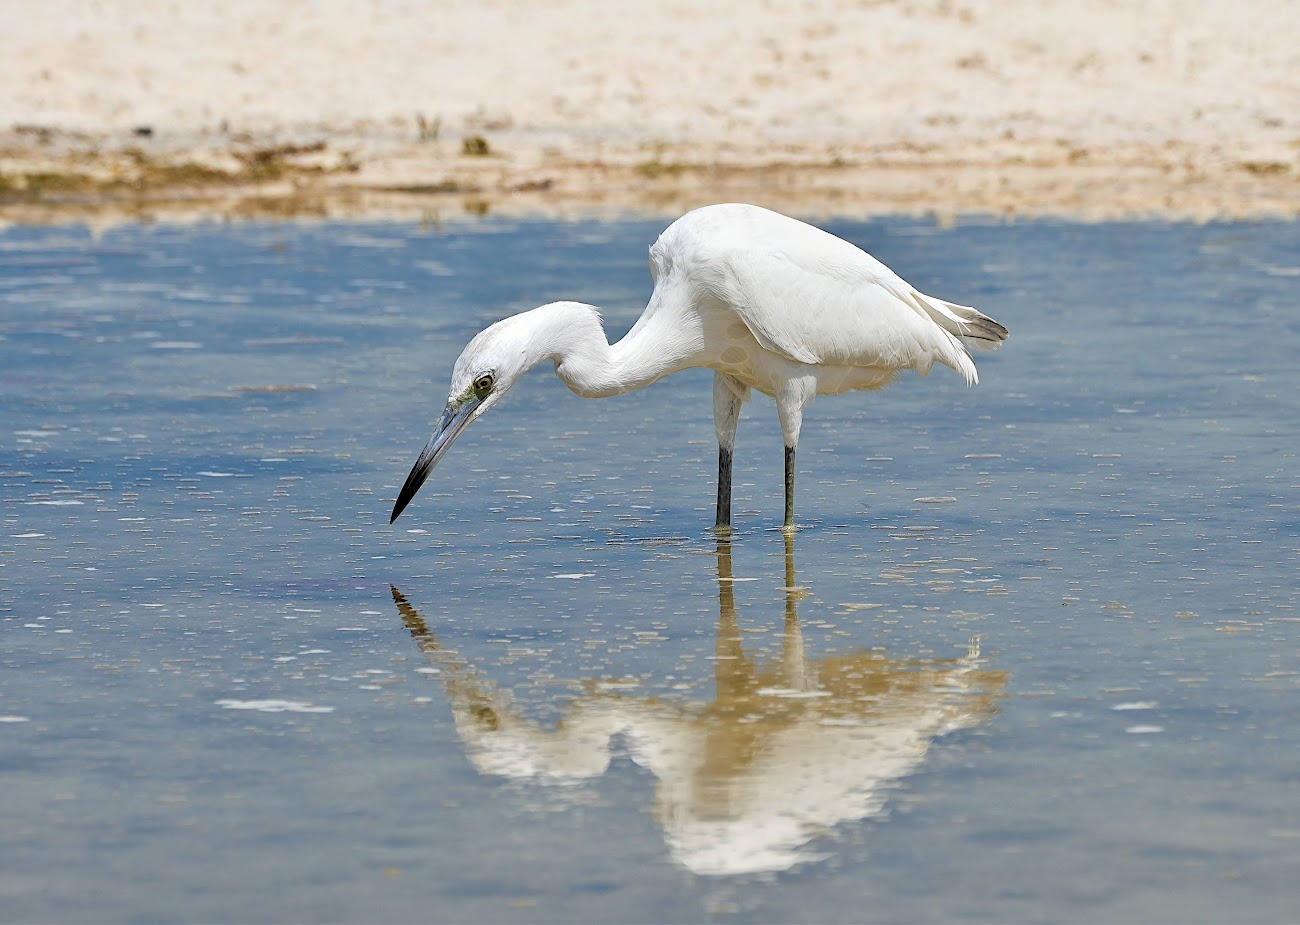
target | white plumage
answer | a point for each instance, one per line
(766, 301)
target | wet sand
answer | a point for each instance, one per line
(1091, 110)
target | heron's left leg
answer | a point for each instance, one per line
(789, 488)
(793, 397)
(728, 395)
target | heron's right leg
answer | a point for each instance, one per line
(791, 399)
(724, 487)
(728, 395)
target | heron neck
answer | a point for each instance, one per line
(589, 365)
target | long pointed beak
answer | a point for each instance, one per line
(455, 418)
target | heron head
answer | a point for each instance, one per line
(488, 366)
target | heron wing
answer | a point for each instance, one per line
(814, 298)
(833, 304)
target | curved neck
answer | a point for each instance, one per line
(570, 333)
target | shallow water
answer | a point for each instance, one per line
(1032, 657)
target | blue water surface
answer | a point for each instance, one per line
(1032, 657)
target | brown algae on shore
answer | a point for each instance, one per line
(49, 175)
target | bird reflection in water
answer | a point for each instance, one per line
(783, 753)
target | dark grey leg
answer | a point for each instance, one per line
(789, 488)
(724, 488)
(728, 396)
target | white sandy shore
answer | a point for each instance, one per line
(1076, 106)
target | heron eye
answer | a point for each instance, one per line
(483, 384)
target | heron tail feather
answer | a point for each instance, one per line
(975, 329)
(965, 328)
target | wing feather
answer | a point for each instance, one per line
(814, 298)
(843, 315)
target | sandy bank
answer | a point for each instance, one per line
(1020, 107)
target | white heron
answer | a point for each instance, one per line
(765, 301)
